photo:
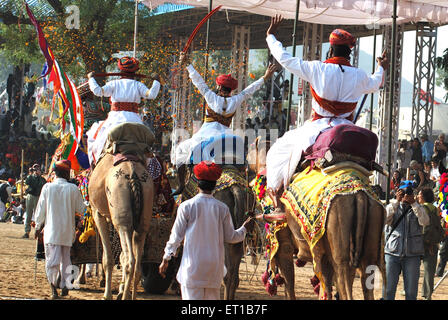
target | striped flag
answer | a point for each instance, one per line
(65, 91)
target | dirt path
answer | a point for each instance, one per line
(21, 277)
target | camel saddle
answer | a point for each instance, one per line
(130, 140)
(343, 143)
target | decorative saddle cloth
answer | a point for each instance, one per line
(129, 139)
(222, 149)
(310, 194)
(230, 176)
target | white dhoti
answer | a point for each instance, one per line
(214, 151)
(97, 134)
(284, 155)
(200, 293)
(57, 262)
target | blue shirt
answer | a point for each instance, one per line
(427, 150)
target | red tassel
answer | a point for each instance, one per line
(300, 263)
(279, 280)
(265, 277)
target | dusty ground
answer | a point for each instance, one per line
(21, 277)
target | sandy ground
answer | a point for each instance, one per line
(22, 277)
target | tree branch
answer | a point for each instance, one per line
(9, 19)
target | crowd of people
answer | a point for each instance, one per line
(420, 160)
(416, 230)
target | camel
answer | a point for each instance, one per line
(352, 241)
(122, 194)
(239, 200)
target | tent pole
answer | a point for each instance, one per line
(207, 51)
(373, 70)
(135, 27)
(291, 80)
(391, 97)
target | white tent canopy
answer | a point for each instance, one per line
(345, 12)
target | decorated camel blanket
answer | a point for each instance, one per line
(230, 176)
(310, 194)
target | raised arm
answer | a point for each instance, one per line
(104, 91)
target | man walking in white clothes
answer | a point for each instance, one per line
(58, 202)
(336, 87)
(204, 224)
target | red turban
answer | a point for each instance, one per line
(128, 64)
(226, 80)
(207, 170)
(64, 165)
(342, 37)
(12, 181)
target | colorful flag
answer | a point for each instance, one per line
(65, 91)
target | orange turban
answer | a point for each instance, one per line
(128, 64)
(342, 37)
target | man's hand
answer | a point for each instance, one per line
(155, 76)
(275, 23)
(269, 71)
(249, 224)
(162, 268)
(183, 59)
(383, 61)
(90, 75)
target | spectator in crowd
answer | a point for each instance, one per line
(395, 182)
(416, 148)
(427, 148)
(441, 148)
(35, 182)
(404, 242)
(404, 157)
(431, 241)
(6, 195)
(418, 175)
(434, 173)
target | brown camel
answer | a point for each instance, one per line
(123, 195)
(352, 241)
(239, 199)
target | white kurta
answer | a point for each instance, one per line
(58, 202)
(329, 82)
(204, 224)
(218, 104)
(122, 90)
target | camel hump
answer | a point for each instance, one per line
(129, 138)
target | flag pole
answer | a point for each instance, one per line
(373, 70)
(391, 97)
(288, 114)
(135, 27)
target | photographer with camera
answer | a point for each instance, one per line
(404, 241)
(34, 182)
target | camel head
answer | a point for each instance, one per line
(256, 155)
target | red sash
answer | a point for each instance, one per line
(124, 106)
(335, 107)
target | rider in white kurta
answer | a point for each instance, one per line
(125, 95)
(332, 83)
(219, 112)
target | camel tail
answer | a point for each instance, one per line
(360, 222)
(136, 198)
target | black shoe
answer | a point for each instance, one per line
(26, 236)
(54, 292)
(64, 292)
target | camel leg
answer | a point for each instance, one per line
(234, 253)
(129, 260)
(82, 275)
(103, 229)
(284, 260)
(139, 244)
